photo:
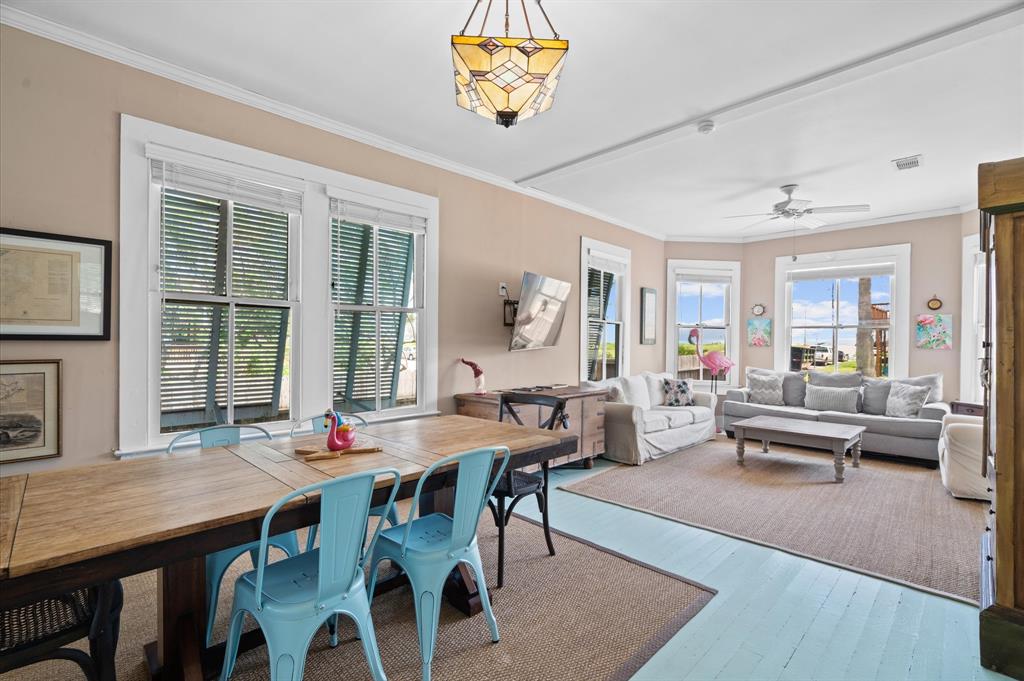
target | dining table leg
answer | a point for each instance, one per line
(181, 612)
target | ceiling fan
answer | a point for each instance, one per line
(799, 211)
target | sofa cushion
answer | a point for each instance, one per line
(906, 400)
(875, 392)
(612, 385)
(677, 416)
(678, 392)
(832, 399)
(765, 389)
(830, 380)
(654, 421)
(887, 425)
(635, 392)
(656, 386)
(686, 415)
(794, 384)
(747, 410)
(933, 381)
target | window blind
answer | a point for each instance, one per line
(351, 211)
(841, 272)
(187, 178)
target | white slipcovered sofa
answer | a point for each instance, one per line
(960, 457)
(639, 426)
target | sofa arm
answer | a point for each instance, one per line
(621, 414)
(709, 400)
(934, 411)
(623, 430)
(737, 395)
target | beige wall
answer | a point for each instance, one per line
(936, 246)
(59, 160)
(59, 137)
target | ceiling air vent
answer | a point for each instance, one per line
(907, 162)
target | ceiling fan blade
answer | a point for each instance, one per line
(760, 222)
(856, 208)
(750, 215)
(808, 222)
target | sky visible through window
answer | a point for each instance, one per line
(817, 303)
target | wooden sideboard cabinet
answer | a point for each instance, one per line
(585, 408)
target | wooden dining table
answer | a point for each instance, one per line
(65, 529)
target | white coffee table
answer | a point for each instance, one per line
(838, 437)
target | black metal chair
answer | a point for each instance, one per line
(517, 485)
(39, 631)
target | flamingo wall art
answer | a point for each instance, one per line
(714, 361)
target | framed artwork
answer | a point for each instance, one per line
(759, 332)
(29, 409)
(648, 316)
(935, 331)
(53, 287)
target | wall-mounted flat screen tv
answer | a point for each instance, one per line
(541, 311)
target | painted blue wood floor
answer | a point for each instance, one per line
(778, 616)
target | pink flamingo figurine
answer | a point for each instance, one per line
(715, 361)
(340, 435)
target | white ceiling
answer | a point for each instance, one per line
(634, 68)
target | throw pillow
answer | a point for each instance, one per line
(655, 388)
(830, 380)
(906, 400)
(794, 385)
(765, 389)
(933, 381)
(678, 392)
(876, 393)
(821, 398)
(634, 391)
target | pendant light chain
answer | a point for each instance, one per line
(547, 19)
(470, 17)
(526, 16)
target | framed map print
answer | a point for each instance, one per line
(29, 409)
(53, 287)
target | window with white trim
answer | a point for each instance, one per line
(840, 320)
(703, 307)
(844, 311)
(605, 311)
(226, 298)
(377, 296)
(226, 305)
(972, 334)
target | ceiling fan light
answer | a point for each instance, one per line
(506, 79)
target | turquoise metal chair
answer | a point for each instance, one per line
(218, 563)
(292, 598)
(430, 547)
(318, 423)
(319, 426)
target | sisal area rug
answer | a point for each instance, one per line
(888, 519)
(622, 610)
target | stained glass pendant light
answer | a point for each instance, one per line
(503, 78)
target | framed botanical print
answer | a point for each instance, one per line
(53, 287)
(29, 409)
(648, 316)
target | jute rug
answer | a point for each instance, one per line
(584, 613)
(887, 519)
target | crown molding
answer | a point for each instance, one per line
(837, 227)
(60, 33)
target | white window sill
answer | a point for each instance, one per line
(278, 431)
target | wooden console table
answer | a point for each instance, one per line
(584, 406)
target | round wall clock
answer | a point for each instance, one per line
(935, 303)
(757, 309)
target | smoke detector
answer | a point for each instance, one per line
(706, 127)
(907, 162)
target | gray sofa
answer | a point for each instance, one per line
(915, 438)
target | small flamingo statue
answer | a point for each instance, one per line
(714, 361)
(340, 435)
